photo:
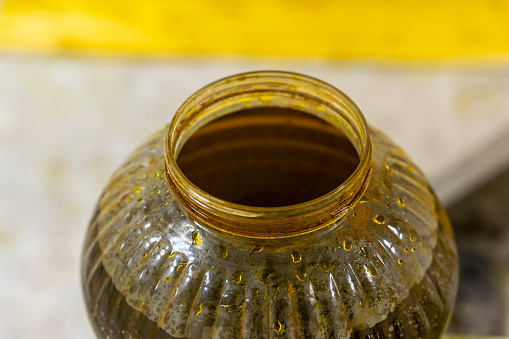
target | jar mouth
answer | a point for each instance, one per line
(268, 89)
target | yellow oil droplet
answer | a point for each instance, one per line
(291, 289)
(265, 98)
(387, 206)
(168, 278)
(405, 249)
(181, 265)
(129, 198)
(237, 277)
(257, 249)
(222, 251)
(386, 184)
(196, 238)
(400, 261)
(347, 246)
(412, 238)
(401, 202)
(388, 170)
(154, 186)
(318, 107)
(361, 303)
(379, 219)
(168, 195)
(278, 327)
(372, 272)
(168, 190)
(296, 257)
(158, 191)
(139, 198)
(413, 249)
(171, 255)
(410, 168)
(300, 274)
(299, 105)
(136, 190)
(156, 174)
(198, 311)
(264, 276)
(144, 254)
(326, 266)
(363, 200)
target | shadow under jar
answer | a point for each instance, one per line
(268, 209)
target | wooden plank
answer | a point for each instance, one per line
(393, 29)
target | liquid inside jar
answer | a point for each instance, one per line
(268, 157)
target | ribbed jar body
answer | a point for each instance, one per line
(386, 267)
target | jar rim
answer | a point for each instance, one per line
(268, 89)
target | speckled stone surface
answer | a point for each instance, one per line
(67, 123)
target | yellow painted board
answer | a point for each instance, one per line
(394, 29)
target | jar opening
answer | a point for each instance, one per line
(268, 157)
(258, 93)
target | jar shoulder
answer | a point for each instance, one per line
(361, 267)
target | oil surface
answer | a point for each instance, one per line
(268, 157)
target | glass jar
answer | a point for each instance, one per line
(372, 255)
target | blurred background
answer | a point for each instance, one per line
(83, 82)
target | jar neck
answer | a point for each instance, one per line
(268, 89)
